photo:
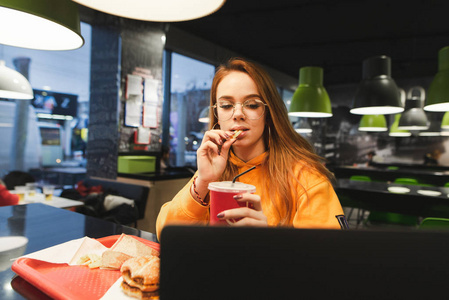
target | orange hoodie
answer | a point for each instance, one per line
(314, 207)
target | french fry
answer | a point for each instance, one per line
(91, 260)
(237, 133)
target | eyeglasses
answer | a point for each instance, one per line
(253, 109)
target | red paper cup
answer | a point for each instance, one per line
(221, 198)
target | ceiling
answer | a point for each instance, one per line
(336, 35)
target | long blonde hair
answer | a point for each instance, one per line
(285, 147)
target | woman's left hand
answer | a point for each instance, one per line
(246, 216)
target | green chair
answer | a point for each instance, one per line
(434, 223)
(360, 178)
(389, 218)
(411, 181)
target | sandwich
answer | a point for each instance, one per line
(132, 247)
(113, 260)
(141, 277)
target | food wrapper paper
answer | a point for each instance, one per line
(69, 252)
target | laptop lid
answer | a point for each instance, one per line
(280, 263)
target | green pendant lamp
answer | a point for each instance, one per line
(373, 123)
(156, 11)
(14, 85)
(438, 92)
(40, 24)
(445, 125)
(445, 121)
(378, 92)
(395, 131)
(310, 99)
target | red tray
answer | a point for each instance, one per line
(61, 281)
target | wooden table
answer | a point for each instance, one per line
(46, 226)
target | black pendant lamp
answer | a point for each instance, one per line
(414, 117)
(377, 92)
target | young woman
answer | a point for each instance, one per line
(293, 187)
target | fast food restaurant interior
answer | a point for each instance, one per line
(124, 108)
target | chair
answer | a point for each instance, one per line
(434, 223)
(391, 218)
(94, 204)
(360, 178)
(360, 212)
(411, 181)
(16, 178)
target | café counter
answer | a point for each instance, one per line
(163, 185)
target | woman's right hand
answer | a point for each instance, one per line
(213, 154)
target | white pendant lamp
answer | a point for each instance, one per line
(40, 24)
(14, 85)
(377, 92)
(156, 10)
(204, 115)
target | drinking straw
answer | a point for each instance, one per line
(235, 178)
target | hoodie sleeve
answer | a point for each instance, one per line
(182, 209)
(318, 206)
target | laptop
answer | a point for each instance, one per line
(287, 263)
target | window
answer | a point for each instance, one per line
(287, 96)
(61, 79)
(190, 85)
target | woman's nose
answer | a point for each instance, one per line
(238, 111)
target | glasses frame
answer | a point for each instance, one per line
(243, 109)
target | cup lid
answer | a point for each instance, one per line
(230, 187)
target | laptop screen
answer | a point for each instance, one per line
(281, 263)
